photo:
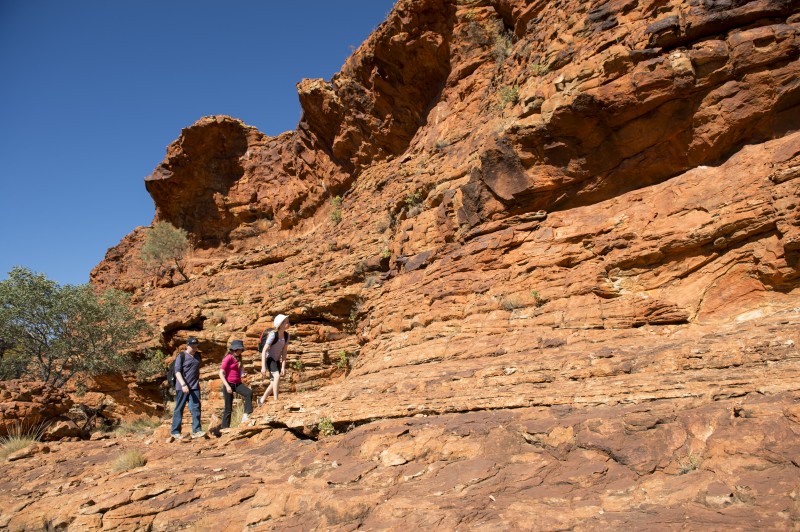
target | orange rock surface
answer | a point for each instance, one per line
(560, 287)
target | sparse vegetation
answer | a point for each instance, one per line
(538, 69)
(690, 463)
(297, 365)
(53, 333)
(537, 299)
(343, 362)
(503, 43)
(129, 460)
(19, 437)
(165, 246)
(152, 365)
(325, 427)
(237, 412)
(510, 303)
(141, 425)
(385, 254)
(336, 212)
(413, 198)
(508, 95)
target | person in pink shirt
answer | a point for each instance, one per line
(231, 372)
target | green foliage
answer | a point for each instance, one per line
(326, 427)
(413, 198)
(503, 43)
(297, 365)
(385, 254)
(165, 245)
(336, 212)
(151, 366)
(58, 332)
(690, 463)
(129, 460)
(343, 361)
(508, 94)
(537, 299)
(538, 69)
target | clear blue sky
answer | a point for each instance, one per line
(93, 91)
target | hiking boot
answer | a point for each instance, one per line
(196, 435)
(245, 418)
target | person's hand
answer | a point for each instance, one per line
(229, 389)
(184, 388)
(263, 371)
(283, 372)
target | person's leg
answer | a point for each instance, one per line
(247, 394)
(177, 414)
(275, 378)
(194, 408)
(226, 413)
(270, 365)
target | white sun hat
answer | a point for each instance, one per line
(280, 318)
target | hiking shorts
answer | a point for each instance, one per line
(273, 366)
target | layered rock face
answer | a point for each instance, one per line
(559, 287)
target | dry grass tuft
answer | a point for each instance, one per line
(129, 460)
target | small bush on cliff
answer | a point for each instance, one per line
(336, 213)
(325, 427)
(165, 246)
(59, 332)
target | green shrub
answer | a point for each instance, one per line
(129, 460)
(152, 365)
(326, 427)
(343, 361)
(336, 212)
(165, 245)
(66, 331)
(508, 94)
(297, 365)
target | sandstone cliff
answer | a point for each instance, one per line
(560, 289)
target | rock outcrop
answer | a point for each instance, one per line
(542, 261)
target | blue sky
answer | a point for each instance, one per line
(92, 92)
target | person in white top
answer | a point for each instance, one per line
(273, 355)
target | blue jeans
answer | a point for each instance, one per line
(193, 397)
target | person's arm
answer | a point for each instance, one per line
(283, 356)
(222, 373)
(179, 375)
(264, 352)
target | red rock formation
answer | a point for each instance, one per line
(560, 289)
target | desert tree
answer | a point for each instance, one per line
(165, 246)
(55, 333)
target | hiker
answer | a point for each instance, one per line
(231, 372)
(273, 355)
(187, 388)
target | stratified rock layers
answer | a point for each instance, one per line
(559, 288)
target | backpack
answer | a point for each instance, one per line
(171, 369)
(263, 340)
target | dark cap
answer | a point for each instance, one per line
(237, 344)
(192, 341)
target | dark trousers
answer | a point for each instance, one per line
(242, 390)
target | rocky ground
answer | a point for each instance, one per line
(542, 261)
